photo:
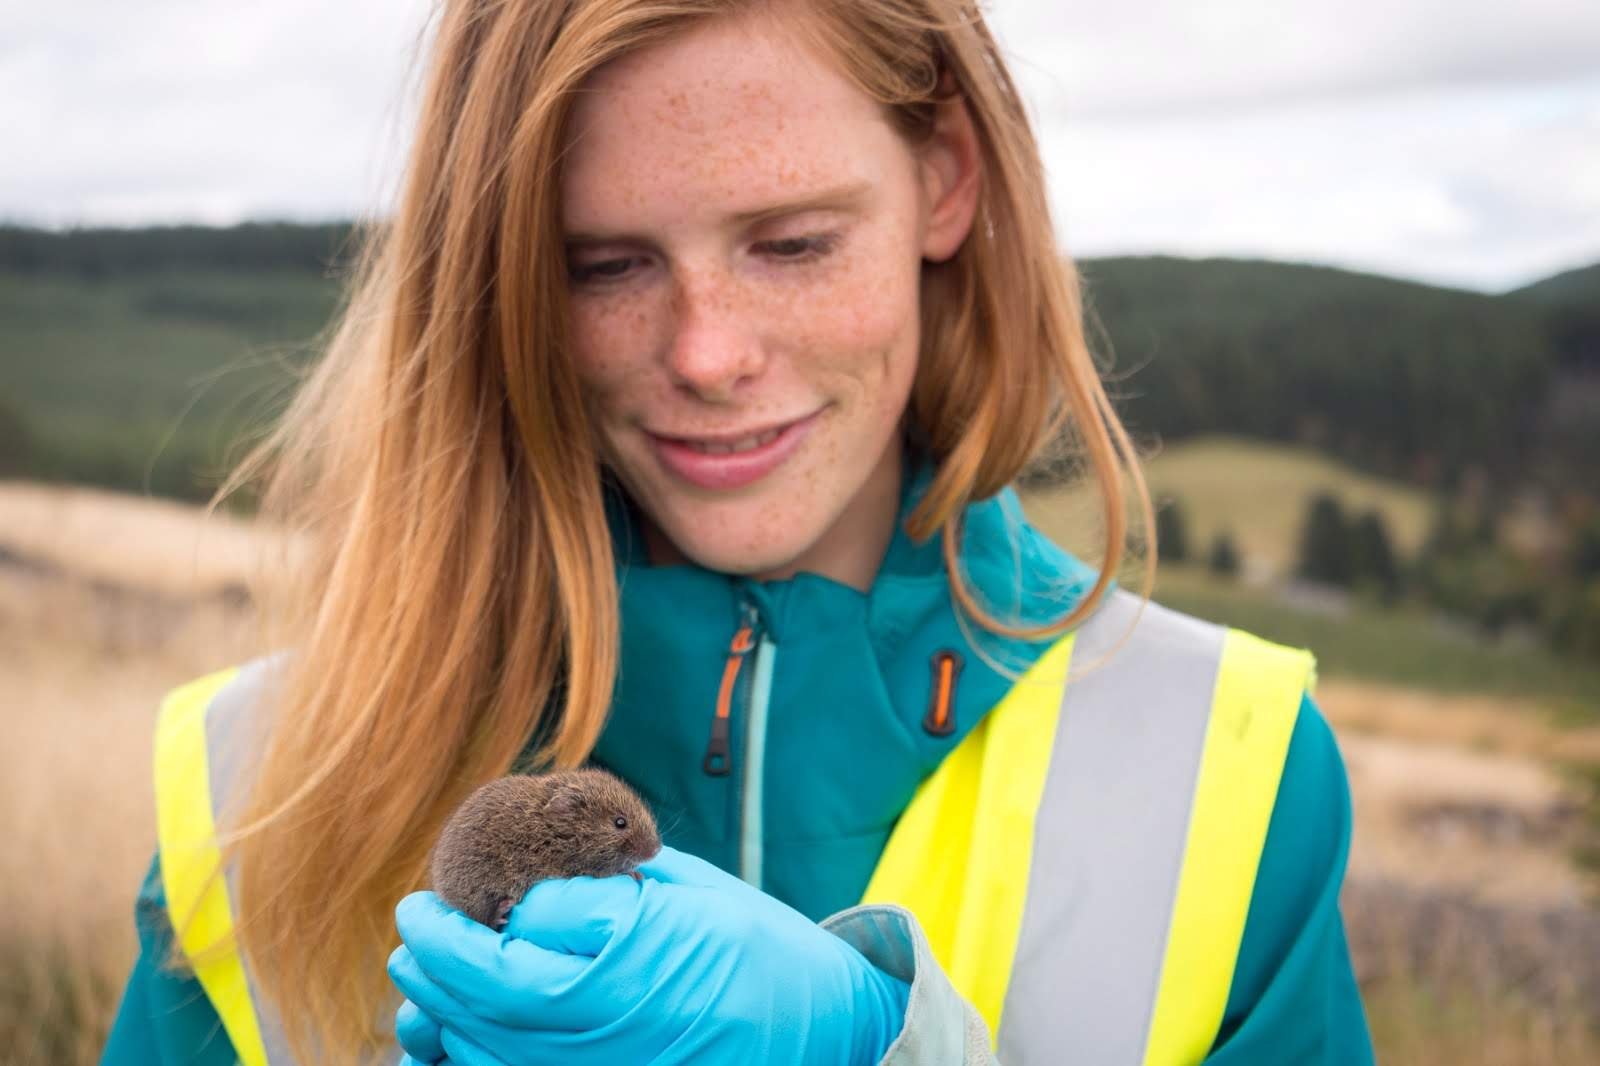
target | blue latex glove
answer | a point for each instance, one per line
(688, 965)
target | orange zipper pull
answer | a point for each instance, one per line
(717, 762)
(940, 720)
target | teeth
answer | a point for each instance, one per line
(743, 445)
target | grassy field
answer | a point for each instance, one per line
(1253, 490)
(1407, 647)
(86, 651)
(1468, 921)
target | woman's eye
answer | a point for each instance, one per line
(604, 270)
(792, 249)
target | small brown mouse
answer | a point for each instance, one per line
(520, 829)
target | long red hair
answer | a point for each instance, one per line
(458, 596)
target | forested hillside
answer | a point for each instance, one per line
(1406, 380)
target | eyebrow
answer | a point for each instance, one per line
(839, 197)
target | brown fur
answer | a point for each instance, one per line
(518, 830)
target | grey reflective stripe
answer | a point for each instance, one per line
(233, 737)
(1109, 838)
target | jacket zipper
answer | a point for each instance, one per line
(719, 761)
(757, 693)
(753, 829)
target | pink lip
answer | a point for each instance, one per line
(734, 469)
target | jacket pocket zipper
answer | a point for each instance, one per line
(718, 761)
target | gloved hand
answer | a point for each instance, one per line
(688, 965)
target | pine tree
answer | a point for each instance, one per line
(1172, 538)
(1373, 557)
(1325, 553)
(1224, 560)
(16, 450)
(1583, 554)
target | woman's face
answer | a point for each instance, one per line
(745, 234)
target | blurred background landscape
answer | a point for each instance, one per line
(1397, 476)
(1342, 269)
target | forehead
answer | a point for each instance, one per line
(729, 115)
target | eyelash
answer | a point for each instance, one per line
(814, 246)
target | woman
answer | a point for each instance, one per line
(669, 429)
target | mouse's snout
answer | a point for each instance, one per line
(644, 843)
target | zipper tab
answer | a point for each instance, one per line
(940, 719)
(718, 761)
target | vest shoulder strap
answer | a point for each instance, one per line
(1083, 861)
(202, 737)
(1256, 703)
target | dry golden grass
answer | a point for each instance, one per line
(1463, 793)
(1490, 827)
(1499, 724)
(105, 604)
(1447, 981)
(1455, 1022)
(82, 674)
(1471, 927)
(129, 541)
(118, 601)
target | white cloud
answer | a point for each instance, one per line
(1454, 142)
(1484, 188)
(174, 110)
(1165, 56)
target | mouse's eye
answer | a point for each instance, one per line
(620, 822)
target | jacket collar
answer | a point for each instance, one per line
(1008, 565)
(849, 684)
(1019, 575)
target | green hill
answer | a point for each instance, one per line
(1254, 490)
(141, 381)
(245, 248)
(1570, 288)
(1402, 379)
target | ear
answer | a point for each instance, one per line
(564, 801)
(951, 170)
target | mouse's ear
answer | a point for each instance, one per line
(564, 800)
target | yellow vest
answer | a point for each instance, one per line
(1082, 862)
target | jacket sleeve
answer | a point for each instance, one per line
(1294, 997)
(941, 1028)
(165, 1018)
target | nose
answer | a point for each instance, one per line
(715, 343)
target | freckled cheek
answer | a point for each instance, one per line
(864, 327)
(611, 343)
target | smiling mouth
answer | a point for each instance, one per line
(733, 460)
(743, 444)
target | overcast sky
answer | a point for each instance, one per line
(1456, 143)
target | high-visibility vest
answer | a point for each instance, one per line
(1082, 862)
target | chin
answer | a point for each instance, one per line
(748, 551)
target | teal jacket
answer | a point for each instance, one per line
(817, 774)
